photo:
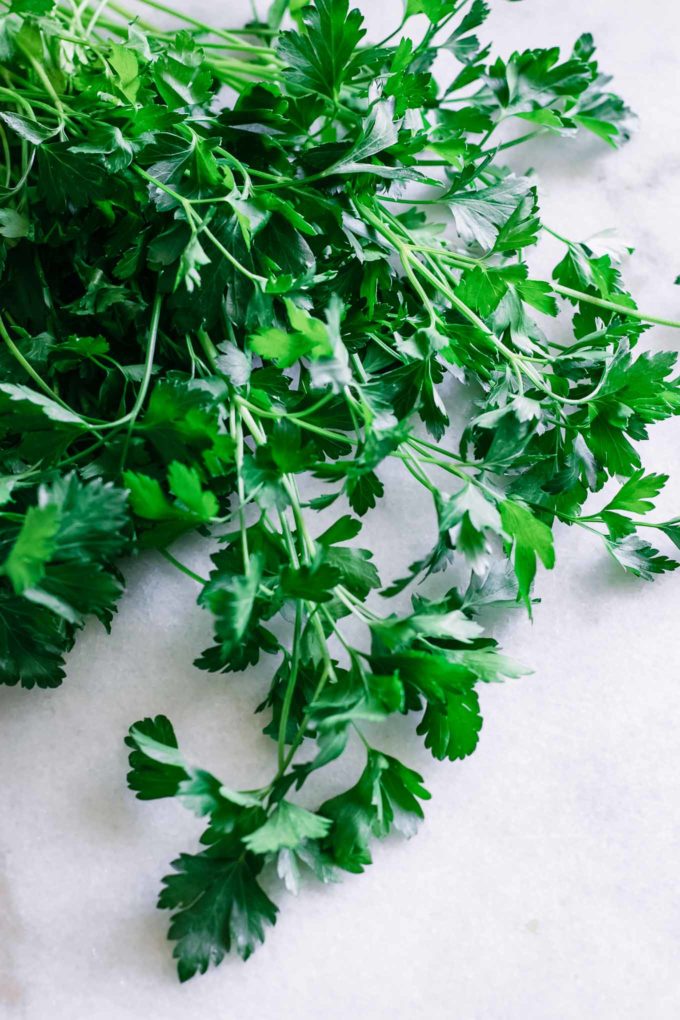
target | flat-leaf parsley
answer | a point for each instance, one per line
(224, 269)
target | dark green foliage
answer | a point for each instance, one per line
(212, 289)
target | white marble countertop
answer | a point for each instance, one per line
(544, 883)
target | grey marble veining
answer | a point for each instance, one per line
(543, 885)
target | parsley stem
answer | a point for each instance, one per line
(188, 20)
(6, 156)
(357, 730)
(415, 441)
(290, 686)
(415, 468)
(613, 306)
(277, 415)
(166, 554)
(518, 141)
(439, 281)
(253, 277)
(132, 415)
(388, 38)
(49, 88)
(28, 368)
(96, 14)
(289, 540)
(558, 237)
(236, 428)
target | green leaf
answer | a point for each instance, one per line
(37, 7)
(13, 224)
(33, 402)
(342, 530)
(93, 517)
(147, 498)
(312, 857)
(33, 642)
(184, 416)
(157, 768)
(287, 827)
(77, 589)
(386, 796)
(461, 42)
(33, 547)
(375, 698)
(452, 730)
(356, 571)
(58, 562)
(73, 525)
(321, 59)
(611, 448)
(481, 215)
(30, 130)
(378, 133)
(185, 485)
(125, 65)
(235, 364)
(400, 633)
(231, 600)
(68, 179)
(637, 494)
(182, 76)
(363, 491)
(640, 558)
(218, 904)
(530, 538)
(194, 504)
(283, 348)
(470, 518)
(314, 582)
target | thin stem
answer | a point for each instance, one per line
(518, 141)
(30, 371)
(237, 435)
(182, 566)
(388, 38)
(6, 156)
(132, 415)
(290, 686)
(578, 295)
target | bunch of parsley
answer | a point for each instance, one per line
(223, 271)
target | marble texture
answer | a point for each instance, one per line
(544, 883)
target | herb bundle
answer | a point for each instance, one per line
(225, 282)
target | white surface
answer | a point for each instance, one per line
(543, 885)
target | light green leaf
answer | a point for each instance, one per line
(286, 828)
(530, 538)
(33, 547)
(185, 485)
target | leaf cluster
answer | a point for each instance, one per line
(240, 272)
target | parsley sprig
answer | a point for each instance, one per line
(240, 270)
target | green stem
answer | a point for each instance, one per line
(327, 674)
(6, 156)
(181, 566)
(30, 371)
(518, 141)
(49, 88)
(132, 415)
(578, 295)
(237, 435)
(290, 687)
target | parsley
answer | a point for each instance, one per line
(214, 284)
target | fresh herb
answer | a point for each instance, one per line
(223, 269)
